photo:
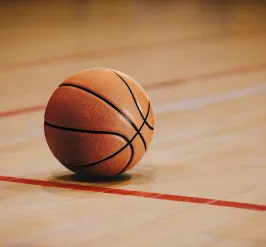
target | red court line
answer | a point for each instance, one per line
(122, 50)
(21, 111)
(205, 76)
(152, 195)
(219, 74)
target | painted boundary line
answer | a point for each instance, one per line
(218, 74)
(206, 76)
(124, 192)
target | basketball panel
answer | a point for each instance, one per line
(110, 167)
(147, 134)
(140, 95)
(150, 119)
(74, 148)
(107, 84)
(73, 108)
(139, 152)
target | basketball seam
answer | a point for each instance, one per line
(96, 132)
(70, 84)
(86, 131)
(134, 98)
(129, 142)
(131, 157)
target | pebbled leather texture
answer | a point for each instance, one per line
(95, 122)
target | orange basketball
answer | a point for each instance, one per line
(99, 122)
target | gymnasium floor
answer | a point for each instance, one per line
(203, 181)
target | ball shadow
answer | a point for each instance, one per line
(138, 177)
(133, 177)
(96, 180)
(70, 178)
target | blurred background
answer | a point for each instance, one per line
(33, 30)
(203, 65)
(137, 37)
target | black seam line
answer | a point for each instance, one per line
(131, 157)
(95, 132)
(87, 131)
(133, 96)
(109, 157)
(121, 149)
(110, 104)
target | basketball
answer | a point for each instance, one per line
(99, 122)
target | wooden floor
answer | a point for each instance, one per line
(203, 181)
